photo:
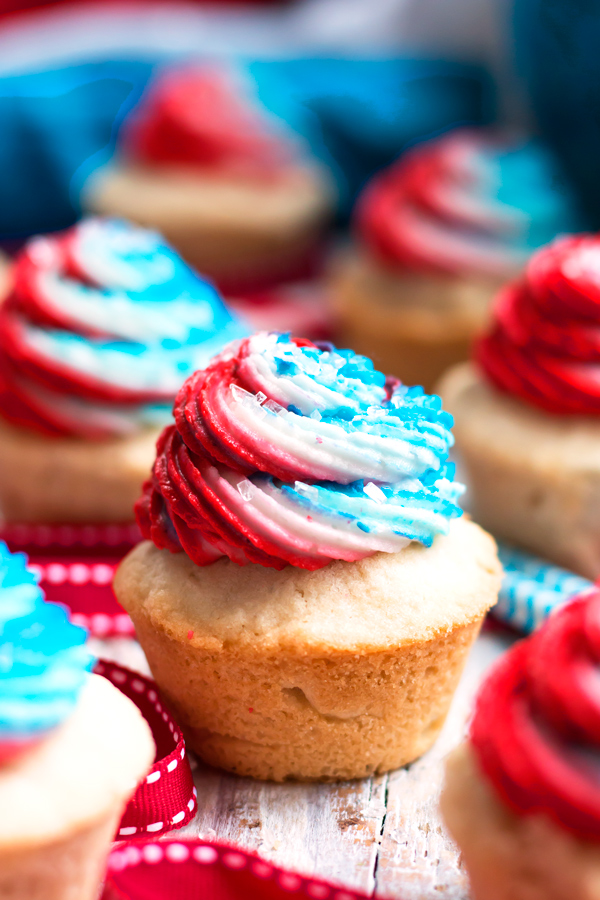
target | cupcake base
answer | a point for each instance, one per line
(61, 803)
(237, 231)
(411, 325)
(326, 675)
(534, 478)
(53, 480)
(510, 857)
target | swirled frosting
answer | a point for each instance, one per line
(536, 728)
(102, 327)
(284, 452)
(544, 342)
(43, 658)
(199, 118)
(466, 203)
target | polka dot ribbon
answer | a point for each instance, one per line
(166, 799)
(532, 589)
(76, 565)
(153, 871)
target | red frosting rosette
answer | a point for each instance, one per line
(432, 210)
(536, 728)
(200, 119)
(544, 344)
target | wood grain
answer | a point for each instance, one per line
(382, 836)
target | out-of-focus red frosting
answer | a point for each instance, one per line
(196, 118)
(429, 211)
(536, 728)
(544, 343)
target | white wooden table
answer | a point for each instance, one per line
(382, 836)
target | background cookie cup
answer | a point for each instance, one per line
(521, 796)
(436, 235)
(72, 748)
(203, 163)
(527, 412)
(100, 327)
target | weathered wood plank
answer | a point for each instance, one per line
(382, 835)
(328, 831)
(417, 860)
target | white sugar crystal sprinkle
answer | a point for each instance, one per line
(240, 394)
(246, 489)
(308, 490)
(260, 397)
(273, 407)
(316, 415)
(374, 492)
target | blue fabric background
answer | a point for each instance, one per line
(57, 126)
(558, 54)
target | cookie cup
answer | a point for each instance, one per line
(534, 477)
(412, 325)
(235, 230)
(326, 675)
(52, 480)
(61, 802)
(512, 857)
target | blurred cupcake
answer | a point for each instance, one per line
(307, 592)
(437, 234)
(72, 749)
(527, 416)
(103, 324)
(223, 182)
(521, 797)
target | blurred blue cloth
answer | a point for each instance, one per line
(358, 115)
(51, 124)
(557, 43)
(57, 126)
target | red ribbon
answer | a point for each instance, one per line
(166, 799)
(76, 565)
(207, 870)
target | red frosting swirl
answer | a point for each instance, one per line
(433, 211)
(197, 118)
(536, 728)
(544, 344)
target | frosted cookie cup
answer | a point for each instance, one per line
(527, 413)
(101, 327)
(307, 593)
(72, 749)
(436, 235)
(226, 184)
(521, 796)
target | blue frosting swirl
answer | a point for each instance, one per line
(43, 657)
(285, 452)
(527, 182)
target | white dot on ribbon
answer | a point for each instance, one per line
(234, 860)
(262, 870)
(177, 852)
(152, 853)
(289, 882)
(206, 855)
(156, 826)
